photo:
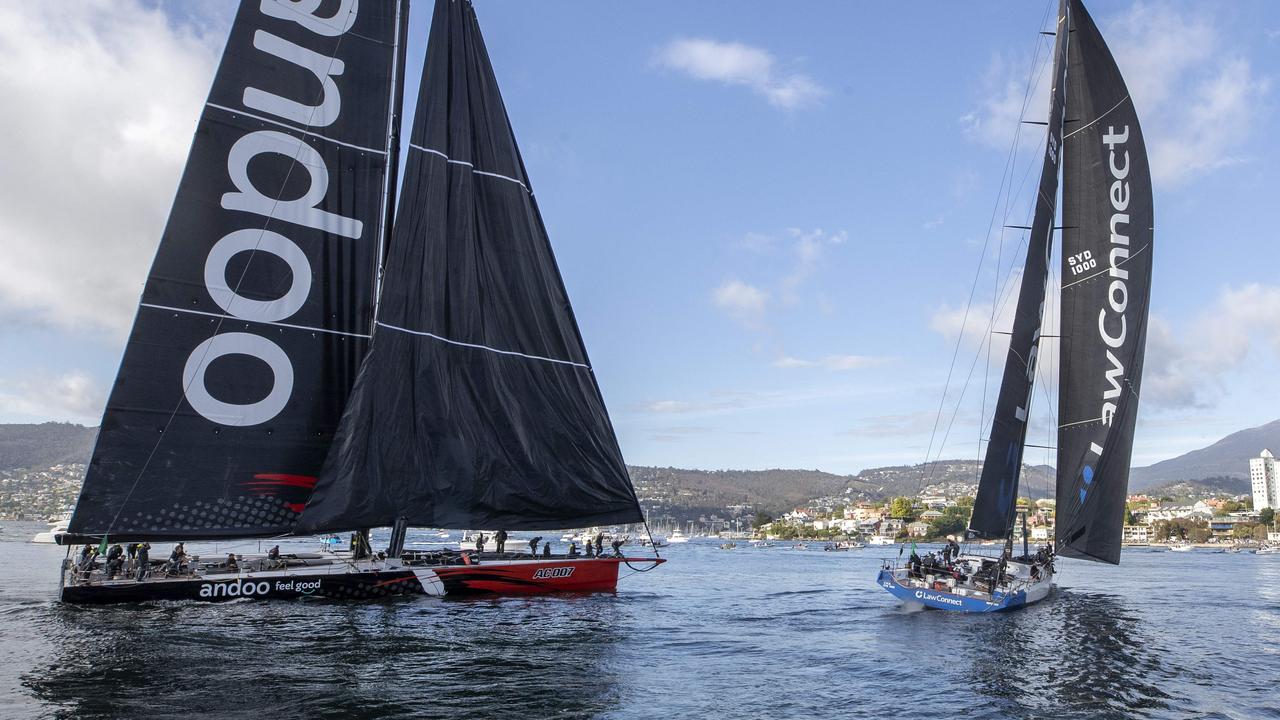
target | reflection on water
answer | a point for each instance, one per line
(744, 634)
(1075, 654)
(404, 657)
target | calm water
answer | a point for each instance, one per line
(745, 633)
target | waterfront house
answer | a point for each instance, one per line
(1136, 535)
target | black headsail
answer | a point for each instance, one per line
(259, 304)
(994, 507)
(1106, 285)
(476, 406)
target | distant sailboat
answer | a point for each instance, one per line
(1107, 221)
(299, 367)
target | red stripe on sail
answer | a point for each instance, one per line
(303, 481)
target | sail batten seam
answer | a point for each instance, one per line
(259, 322)
(295, 128)
(482, 347)
(1097, 119)
(451, 161)
(1104, 271)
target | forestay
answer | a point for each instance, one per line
(995, 504)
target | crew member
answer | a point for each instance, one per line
(589, 548)
(546, 550)
(617, 547)
(480, 540)
(953, 549)
(500, 539)
(533, 545)
(599, 544)
(274, 553)
(232, 565)
(913, 565)
(573, 549)
(144, 560)
(176, 558)
(86, 558)
(115, 561)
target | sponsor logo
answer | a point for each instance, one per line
(922, 595)
(239, 588)
(1113, 325)
(552, 573)
(292, 210)
(306, 587)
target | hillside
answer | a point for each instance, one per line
(44, 445)
(684, 492)
(945, 477)
(1204, 487)
(1229, 457)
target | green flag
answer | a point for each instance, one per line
(102, 549)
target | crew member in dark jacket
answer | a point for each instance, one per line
(144, 560)
(500, 539)
(533, 545)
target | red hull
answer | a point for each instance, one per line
(527, 577)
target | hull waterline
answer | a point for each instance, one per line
(361, 580)
(1022, 591)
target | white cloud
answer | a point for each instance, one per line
(1008, 101)
(734, 63)
(718, 402)
(101, 99)
(73, 396)
(1187, 371)
(906, 425)
(1196, 97)
(743, 302)
(809, 248)
(832, 362)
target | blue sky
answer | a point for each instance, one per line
(768, 215)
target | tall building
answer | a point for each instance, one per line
(1266, 482)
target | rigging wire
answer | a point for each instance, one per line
(1006, 192)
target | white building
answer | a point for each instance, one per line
(1266, 484)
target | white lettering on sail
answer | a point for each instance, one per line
(215, 275)
(323, 67)
(1118, 290)
(1113, 377)
(303, 13)
(300, 211)
(305, 211)
(238, 343)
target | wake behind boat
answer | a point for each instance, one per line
(1095, 143)
(253, 400)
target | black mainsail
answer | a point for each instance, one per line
(259, 305)
(995, 504)
(1106, 286)
(477, 405)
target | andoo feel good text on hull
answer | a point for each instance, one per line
(300, 365)
(1094, 142)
